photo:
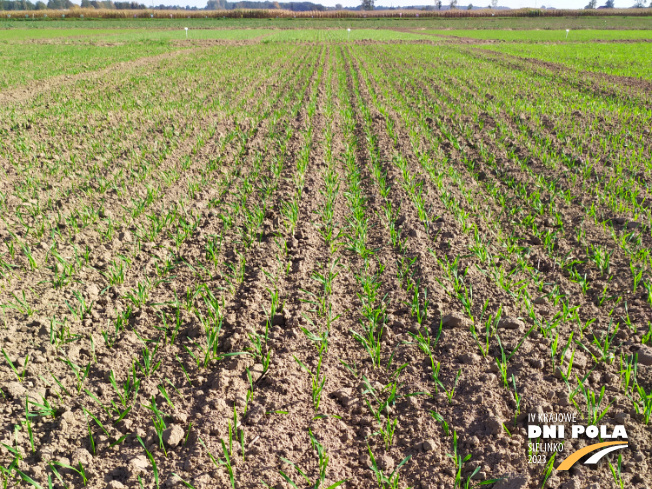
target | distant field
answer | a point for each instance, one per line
(33, 62)
(170, 34)
(50, 33)
(95, 49)
(338, 33)
(316, 35)
(548, 35)
(342, 35)
(632, 59)
(139, 34)
(554, 23)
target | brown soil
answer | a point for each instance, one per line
(262, 128)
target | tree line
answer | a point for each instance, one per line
(67, 4)
(111, 5)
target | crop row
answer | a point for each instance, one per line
(338, 265)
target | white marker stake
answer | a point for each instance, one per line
(348, 34)
(186, 32)
(567, 31)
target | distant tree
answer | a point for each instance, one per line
(639, 4)
(470, 7)
(216, 5)
(609, 4)
(438, 4)
(41, 6)
(592, 4)
(60, 4)
(16, 5)
(367, 4)
(338, 6)
(453, 4)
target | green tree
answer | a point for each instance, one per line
(367, 4)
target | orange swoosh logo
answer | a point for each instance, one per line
(574, 457)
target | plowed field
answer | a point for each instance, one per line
(299, 258)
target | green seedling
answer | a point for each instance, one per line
(81, 309)
(218, 462)
(20, 376)
(152, 461)
(616, 472)
(449, 393)
(386, 425)
(593, 402)
(444, 424)
(317, 381)
(383, 480)
(323, 460)
(77, 371)
(149, 365)
(548, 469)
